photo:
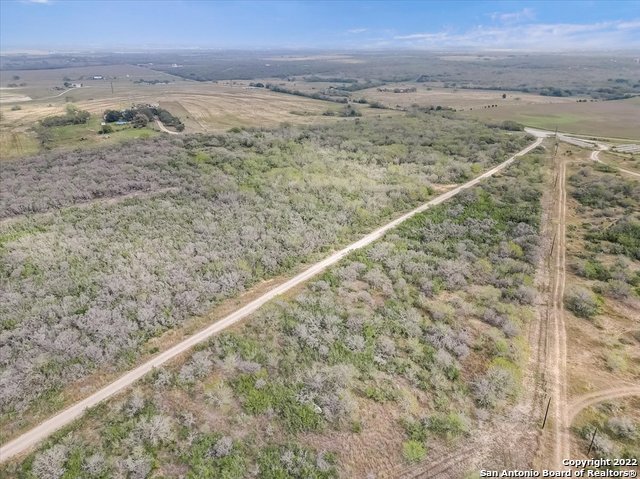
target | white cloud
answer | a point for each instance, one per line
(514, 17)
(41, 2)
(533, 36)
(357, 30)
(424, 36)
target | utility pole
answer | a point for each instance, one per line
(111, 88)
(546, 413)
(592, 439)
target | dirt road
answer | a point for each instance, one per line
(165, 129)
(600, 396)
(582, 143)
(40, 432)
(558, 351)
(595, 157)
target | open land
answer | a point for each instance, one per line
(425, 352)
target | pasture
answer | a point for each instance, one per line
(615, 118)
(460, 99)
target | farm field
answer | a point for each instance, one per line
(460, 99)
(203, 107)
(615, 118)
(331, 379)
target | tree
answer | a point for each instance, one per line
(71, 109)
(106, 129)
(140, 120)
(112, 115)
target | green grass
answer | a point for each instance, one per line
(549, 121)
(72, 136)
(413, 451)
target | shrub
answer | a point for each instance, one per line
(617, 289)
(49, 464)
(293, 461)
(413, 451)
(73, 117)
(496, 386)
(604, 446)
(449, 425)
(593, 269)
(582, 302)
(616, 361)
(622, 427)
(214, 456)
(105, 129)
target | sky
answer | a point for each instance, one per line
(80, 25)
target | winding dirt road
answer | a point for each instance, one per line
(595, 157)
(32, 437)
(600, 396)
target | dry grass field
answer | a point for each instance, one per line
(622, 160)
(615, 118)
(460, 99)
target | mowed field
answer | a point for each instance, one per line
(460, 99)
(615, 118)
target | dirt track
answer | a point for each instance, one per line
(600, 396)
(165, 129)
(32, 437)
(560, 424)
(595, 157)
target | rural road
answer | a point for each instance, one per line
(44, 429)
(560, 426)
(165, 129)
(595, 157)
(582, 144)
(563, 413)
(600, 396)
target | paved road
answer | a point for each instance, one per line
(44, 429)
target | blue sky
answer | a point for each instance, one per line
(86, 25)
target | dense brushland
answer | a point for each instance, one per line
(86, 285)
(425, 328)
